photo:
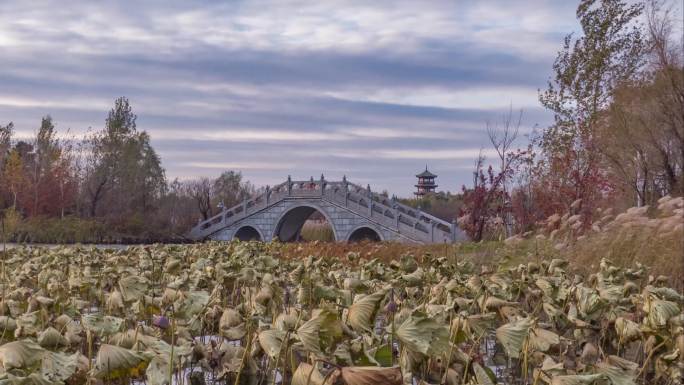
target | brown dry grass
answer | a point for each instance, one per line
(653, 237)
(317, 231)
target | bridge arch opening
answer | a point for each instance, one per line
(364, 233)
(248, 233)
(304, 223)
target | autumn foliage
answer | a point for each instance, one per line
(617, 140)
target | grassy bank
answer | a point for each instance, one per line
(69, 230)
(650, 236)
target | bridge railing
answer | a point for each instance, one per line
(379, 208)
(272, 195)
(389, 212)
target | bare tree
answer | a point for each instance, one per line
(643, 129)
(502, 139)
(201, 192)
(667, 61)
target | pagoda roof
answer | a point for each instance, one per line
(426, 174)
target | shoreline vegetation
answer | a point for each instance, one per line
(652, 236)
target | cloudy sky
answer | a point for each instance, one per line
(371, 89)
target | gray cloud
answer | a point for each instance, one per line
(275, 88)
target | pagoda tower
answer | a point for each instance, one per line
(426, 183)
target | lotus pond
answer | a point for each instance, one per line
(238, 313)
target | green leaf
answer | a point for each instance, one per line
(383, 355)
(483, 376)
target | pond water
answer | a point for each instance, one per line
(116, 246)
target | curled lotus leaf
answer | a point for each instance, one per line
(353, 284)
(362, 313)
(371, 375)
(114, 301)
(133, 287)
(287, 321)
(483, 376)
(307, 374)
(264, 295)
(627, 330)
(512, 336)
(619, 370)
(231, 325)
(193, 304)
(542, 339)
(477, 325)
(611, 293)
(580, 379)
(271, 341)
(8, 324)
(125, 339)
(101, 324)
(157, 371)
(493, 302)
(665, 293)
(51, 338)
(421, 334)
(589, 302)
(20, 354)
(328, 293)
(659, 312)
(115, 362)
(58, 366)
(230, 318)
(29, 323)
(170, 296)
(546, 287)
(172, 264)
(413, 279)
(31, 379)
(321, 334)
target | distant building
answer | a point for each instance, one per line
(426, 183)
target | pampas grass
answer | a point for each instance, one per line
(652, 236)
(317, 231)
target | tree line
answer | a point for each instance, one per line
(617, 139)
(108, 186)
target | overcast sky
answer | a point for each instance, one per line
(371, 89)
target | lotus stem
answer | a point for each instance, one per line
(173, 332)
(244, 355)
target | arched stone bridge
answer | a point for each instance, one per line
(352, 211)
